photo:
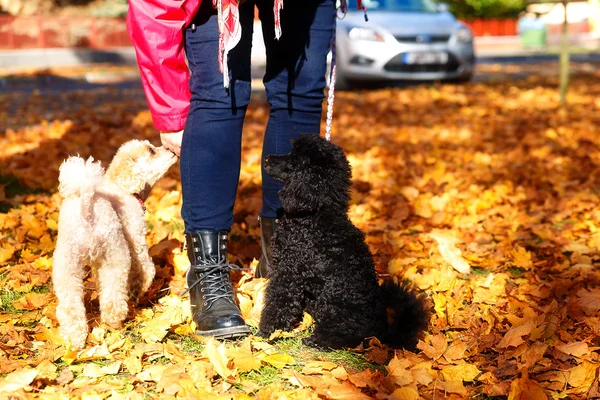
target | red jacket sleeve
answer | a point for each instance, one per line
(156, 30)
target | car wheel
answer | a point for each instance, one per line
(462, 79)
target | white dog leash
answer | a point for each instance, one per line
(331, 95)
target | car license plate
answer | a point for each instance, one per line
(426, 57)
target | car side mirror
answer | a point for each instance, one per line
(443, 7)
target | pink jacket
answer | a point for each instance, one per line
(156, 30)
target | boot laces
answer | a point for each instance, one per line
(215, 280)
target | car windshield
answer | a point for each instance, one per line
(396, 5)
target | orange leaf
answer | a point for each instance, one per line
(33, 301)
(347, 391)
(514, 337)
(525, 389)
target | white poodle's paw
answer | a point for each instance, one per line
(73, 324)
(149, 273)
(76, 335)
(113, 314)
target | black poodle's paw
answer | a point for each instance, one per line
(263, 334)
(312, 341)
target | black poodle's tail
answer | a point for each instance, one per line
(408, 315)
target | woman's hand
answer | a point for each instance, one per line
(172, 141)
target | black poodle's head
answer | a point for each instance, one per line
(315, 175)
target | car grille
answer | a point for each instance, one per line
(423, 39)
(397, 65)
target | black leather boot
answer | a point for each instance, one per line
(209, 282)
(267, 228)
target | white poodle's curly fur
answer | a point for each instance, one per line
(102, 225)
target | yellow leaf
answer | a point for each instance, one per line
(97, 335)
(152, 373)
(218, 358)
(423, 208)
(410, 193)
(578, 247)
(455, 351)
(43, 263)
(317, 367)
(451, 387)
(28, 255)
(422, 376)
(522, 258)
(462, 372)
(35, 227)
(582, 376)
(307, 322)
(405, 393)
(96, 371)
(439, 302)
(244, 360)
(97, 352)
(181, 262)
(52, 224)
(6, 252)
(450, 253)
(279, 360)
(345, 390)
(437, 348)
(576, 349)
(490, 289)
(47, 370)
(133, 364)
(18, 380)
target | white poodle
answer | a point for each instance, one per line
(102, 225)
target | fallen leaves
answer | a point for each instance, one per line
(483, 195)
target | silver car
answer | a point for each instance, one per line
(402, 40)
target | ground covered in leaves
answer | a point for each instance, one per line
(484, 195)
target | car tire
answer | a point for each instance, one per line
(462, 79)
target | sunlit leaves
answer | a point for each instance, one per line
(485, 196)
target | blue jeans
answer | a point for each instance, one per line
(294, 82)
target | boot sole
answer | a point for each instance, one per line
(226, 333)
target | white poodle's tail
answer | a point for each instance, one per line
(78, 178)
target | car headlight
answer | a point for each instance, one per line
(464, 35)
(365, 34)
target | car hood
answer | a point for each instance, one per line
(403, 23)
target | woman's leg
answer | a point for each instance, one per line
(211, 146)
(295, 83)
(295, 78)
(210, 168)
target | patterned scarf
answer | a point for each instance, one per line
(230, 30)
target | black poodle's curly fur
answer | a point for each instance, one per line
(321, 263)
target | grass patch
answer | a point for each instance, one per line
(187, 344)
(8, 296)
(12, 188)
(266, 375)
(349, 359)
(480, 271)
(352, 361)
(516, 272)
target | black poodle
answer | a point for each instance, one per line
(321, 263)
